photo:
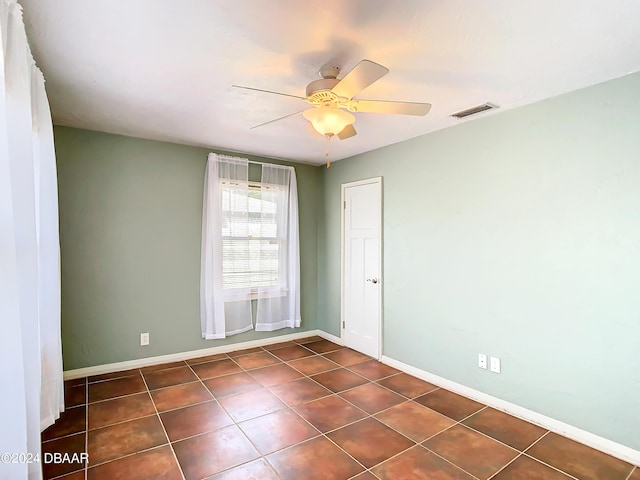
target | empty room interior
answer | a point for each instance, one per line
(336, 240)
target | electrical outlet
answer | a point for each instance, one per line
(495, 364)
(482, 360)
(144, 339)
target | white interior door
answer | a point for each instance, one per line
(361, 292)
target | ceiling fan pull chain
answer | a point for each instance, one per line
(326, 153)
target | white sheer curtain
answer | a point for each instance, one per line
(52, 393)
(281, 308)
(30, 345)
(250, 249)
(222, 312)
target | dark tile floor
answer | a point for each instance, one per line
(300, 410)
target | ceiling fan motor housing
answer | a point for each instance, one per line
(319, 91)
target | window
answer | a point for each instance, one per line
(250, 257)
(250, 249)
(252, 245)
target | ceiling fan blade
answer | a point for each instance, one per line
(379, 106)
(359, 78)
(267, 91)
(347, 132)
(276, 120)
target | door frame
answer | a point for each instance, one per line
(344, 186)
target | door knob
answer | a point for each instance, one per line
(372, 280)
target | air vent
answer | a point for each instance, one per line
(474, 110)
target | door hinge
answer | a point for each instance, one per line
(343, 324)
(344, 205)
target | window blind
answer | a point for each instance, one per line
(251, 242)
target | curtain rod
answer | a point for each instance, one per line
(251, 161)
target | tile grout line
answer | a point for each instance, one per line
(449, 462)
(331, 393)
(421, 443)
(199, 380)
(119, 396)
(541, 437)
(289, 407)
(367, 414)
(292, 408)
(236, 424)
(246, 371)
(63, 436)
(500, 441)
(123, 421)
(113, 378)
(550, 466)
(431, 410)
(86, 427)
(520, 454)
(144, 450)
(185, 406)
(497, 440)
(175, 457)
(493, 438)
(418, 444)
(456, 422)
(528, 455)
(143, 416)
(459, 422)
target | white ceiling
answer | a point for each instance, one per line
(163, 69)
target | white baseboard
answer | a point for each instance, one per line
(175, 357)
(330, 337)
(599, 443)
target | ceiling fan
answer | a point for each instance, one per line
(332, 99)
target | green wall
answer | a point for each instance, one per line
(130, 230)
(516, 235)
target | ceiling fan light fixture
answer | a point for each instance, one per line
(328, 120)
